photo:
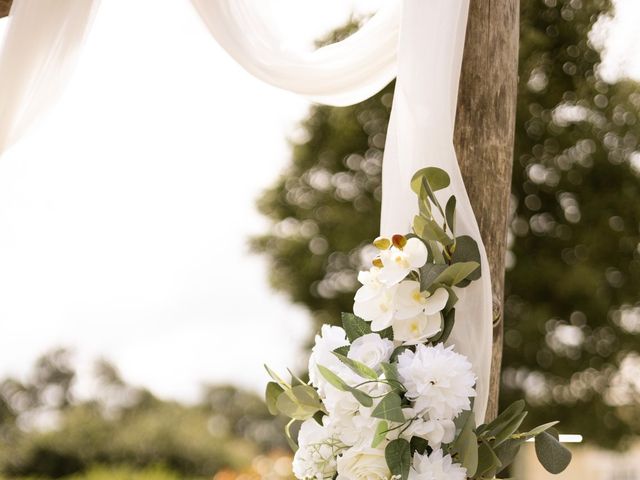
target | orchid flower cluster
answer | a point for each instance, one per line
(386, 397)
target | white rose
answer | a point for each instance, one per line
(322, 354)
(371, 349)
(364, 463)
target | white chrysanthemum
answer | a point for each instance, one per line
(363, 463)
(322, 354)
(371, 349)
(374, 301)
(438, 380)
(398, 262)
(315, 458)
(436, 466)
(434, 431)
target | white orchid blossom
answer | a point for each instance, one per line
(398, 262)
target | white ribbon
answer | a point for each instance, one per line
(421, 41)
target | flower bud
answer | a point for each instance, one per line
(399, 241)
(382, 243)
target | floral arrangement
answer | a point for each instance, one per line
(386, 398)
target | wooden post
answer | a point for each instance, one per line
(5, 5)
(484, 140)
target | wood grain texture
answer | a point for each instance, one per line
(5, 5)
(484, 140)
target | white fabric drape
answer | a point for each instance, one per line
(427, 58)
(39, 52)
(420, 134)
(344, 73)
(421, 41)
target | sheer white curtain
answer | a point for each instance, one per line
(39, 51)
(420, 41)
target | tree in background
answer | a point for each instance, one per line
(572, 312)
(47, 433)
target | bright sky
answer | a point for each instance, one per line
(125, 212)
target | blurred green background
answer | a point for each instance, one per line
(573, 283)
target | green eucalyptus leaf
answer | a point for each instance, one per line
(342, 350)
(428, 273)
(507, 452)
(449, 321)
(381, 433)
(358, 367)
(277, 378)
(389, 408)
(488, 461)
(436, 177)
(428, 229)
(418, 444)
(271, 395)
(456, 273)
(287, 431)
(399, 351)
(364, 399)
(553, 456)
(467, 251)
(509, 429)
(354, 326)
(466, 445)
(509, 413)
(450, 213)
(398, 456)
(539, 429)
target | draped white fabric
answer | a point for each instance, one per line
(344, 73)
(420, 134)
(420, 41)
(39, 52)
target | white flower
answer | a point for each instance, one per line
(410, 301)
(374, 301)
(436, 466)
(371, 349)
(363, 463)
(316, 455)
(397, 263)
(340, 404)
(438, 380)
(321, 354)
(435, 432)
(417, 317)
(418, 329)
(354, 430)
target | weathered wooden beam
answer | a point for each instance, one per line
(5, 5)
(484, 140)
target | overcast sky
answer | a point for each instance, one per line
(124, 214)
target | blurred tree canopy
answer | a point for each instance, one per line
(572, 314)
(46, 432)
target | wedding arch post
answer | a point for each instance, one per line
(484, 139)
(5, 5)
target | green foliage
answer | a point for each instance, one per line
(574, 262)
(126, 426)
(398, 456)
